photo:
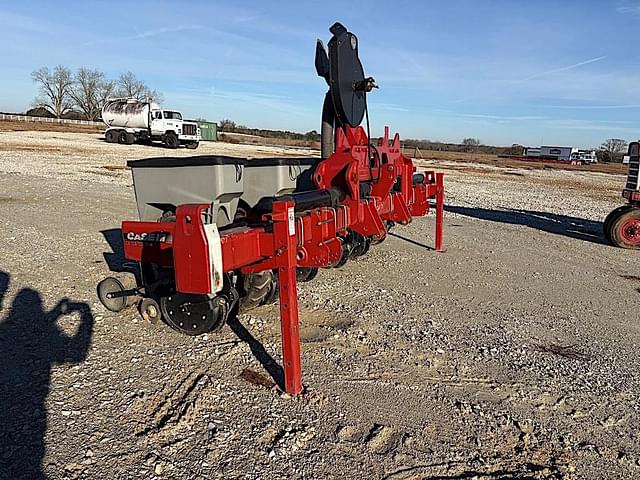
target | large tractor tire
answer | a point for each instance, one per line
(623, 228)
(259, 289)
(171, 140)
(606, 227)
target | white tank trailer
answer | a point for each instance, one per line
(129, 121)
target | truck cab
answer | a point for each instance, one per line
(167, 124)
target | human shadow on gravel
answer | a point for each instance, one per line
(573, 227)
(257, 349)
(31, 342)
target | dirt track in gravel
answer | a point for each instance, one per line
(512, 355)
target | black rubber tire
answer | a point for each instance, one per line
(123, 137)
(171, 140)
(626, 223)
(131, 138)
(192, 145)
(110, 136)
(306, 274)
(258, 290)
(116, 284)
(606, 226)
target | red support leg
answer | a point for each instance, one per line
(439, 210)
(286, 241)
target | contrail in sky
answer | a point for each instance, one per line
(564, 69)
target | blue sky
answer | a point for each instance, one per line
(504, 71)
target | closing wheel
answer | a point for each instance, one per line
(624, 228)
(194, 314)
(150, 310)
(111, 285)
(171, 140)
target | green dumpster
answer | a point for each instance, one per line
(208, 131)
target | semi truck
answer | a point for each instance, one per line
(130, 120)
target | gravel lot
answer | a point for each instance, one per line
(512, 355)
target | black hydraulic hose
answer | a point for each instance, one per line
(303, 200)
(327, 132)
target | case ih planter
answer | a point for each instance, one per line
(221, 234)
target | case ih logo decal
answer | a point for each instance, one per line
(147, 237)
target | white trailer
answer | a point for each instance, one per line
(584, 156)
(129, 120)
(556, 153)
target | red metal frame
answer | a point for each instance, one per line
(289, 240)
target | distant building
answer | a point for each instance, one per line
(556, 153)
(563, 154)
(531, 152)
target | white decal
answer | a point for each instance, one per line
(292, 221)
(215, 256)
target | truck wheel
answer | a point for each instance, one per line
(123, 137)
(110, 136)
(624, 229)
(131, 138)
(192, 145)
(171, 140)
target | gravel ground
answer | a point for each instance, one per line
(512, 355)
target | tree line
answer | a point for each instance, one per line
(229, 126)
(611, 150)
(62, 92)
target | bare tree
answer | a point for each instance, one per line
(471, 144)
(54, 87)
(89, 91)
(129, 86)
(612, 148)
(227, 125)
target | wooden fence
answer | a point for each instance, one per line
(27, 118)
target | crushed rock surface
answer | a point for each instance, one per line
(511, 356)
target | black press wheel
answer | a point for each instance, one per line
(171, 140)
(624, 228)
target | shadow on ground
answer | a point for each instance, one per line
(259, 352)
(573, 227)
(31, 342)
